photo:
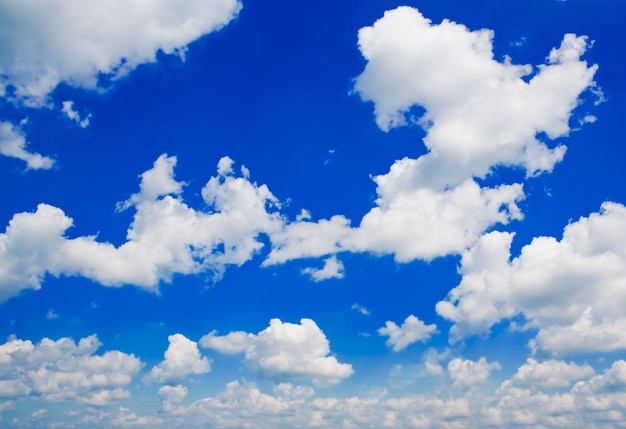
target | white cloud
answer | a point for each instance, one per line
(572, 290)
(182, 358)
(285, 351)
(13, 144)
(332, 269)
(548, 374)
(466, 372)
(79, 43)
(65, 371)
(478, 112)
(172, 397)
(244, 405)
(425, 224)
(411, 331)
(418, 224)
(68, 109)
(166, 236)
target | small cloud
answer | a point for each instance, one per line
(360, 309)
(332, 269)
(303, 215)
(411, 331)
(52, 314)
(589, 119)
(520, 42)
(68, 109)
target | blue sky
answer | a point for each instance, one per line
(278, 214)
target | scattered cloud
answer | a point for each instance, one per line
(411, 331)
(182, 358)
(63, 370)
(284, 351)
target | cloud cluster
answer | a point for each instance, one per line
(63, 370)
(572, 291)
(166, 236)
(284, 351)
(479, 113)
(182, 358)
(571, 396)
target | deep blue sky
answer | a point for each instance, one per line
(282, 88)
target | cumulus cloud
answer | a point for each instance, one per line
(478, 112)
(80, 44)
(284, 351)
(332, 269)
(13, 144)
(466, 372)
(571, 291)
(63, 370)
(166, 236)
(411, 331)
(182, 358)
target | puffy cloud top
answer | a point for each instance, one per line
(285, 350)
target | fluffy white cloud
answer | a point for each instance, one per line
(332, 269)
(466, 372)
(411, 331)
(166, 236)
(13, 144)
(182, 358)
(284, 351)
(43, 44)
(65, 371)
(478, 112)
(573, 290)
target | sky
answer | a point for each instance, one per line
(336, 214)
